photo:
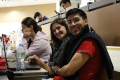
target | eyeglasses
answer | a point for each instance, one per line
(75, 20)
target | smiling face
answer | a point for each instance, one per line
(76, 23)
(59, 31)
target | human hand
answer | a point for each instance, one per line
(55, 68)
(26, 33)
(33, 59)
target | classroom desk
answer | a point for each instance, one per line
(114, 52)
(29, 78)
(3, 77)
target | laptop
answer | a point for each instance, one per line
(12, 65)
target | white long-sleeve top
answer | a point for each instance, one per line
(40, 46)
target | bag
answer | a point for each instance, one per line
(58, 78)
(2, 64)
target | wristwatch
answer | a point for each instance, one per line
(57, 70)
(45, 62)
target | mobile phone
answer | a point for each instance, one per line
(37, 19)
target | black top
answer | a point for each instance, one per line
(29, 42)
(55, 58)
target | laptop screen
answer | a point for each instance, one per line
(28, 66)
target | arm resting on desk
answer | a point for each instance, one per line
(36, 60)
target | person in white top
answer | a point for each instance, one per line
(34, 40)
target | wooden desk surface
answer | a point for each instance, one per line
(114, 53)
(30, 78)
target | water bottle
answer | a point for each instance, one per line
(20, 66)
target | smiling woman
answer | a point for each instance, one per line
(60, 35)
(59, 30)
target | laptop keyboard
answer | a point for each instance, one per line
(12, 64)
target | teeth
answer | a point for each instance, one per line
(74, 28)
(58, 35)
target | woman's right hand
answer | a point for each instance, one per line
(33, 59)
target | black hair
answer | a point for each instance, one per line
(76, 10)
(4, 35)
(36, 14)
(57, 42)
(64, 2)
(28, 21)
(1, 38)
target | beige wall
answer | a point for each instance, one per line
(16, 14)
(46, 29)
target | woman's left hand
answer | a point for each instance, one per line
(34, 59)
(55, 68)
(27, 33)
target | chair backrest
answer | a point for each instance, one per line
(103, 74)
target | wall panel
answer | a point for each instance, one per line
(106, 22)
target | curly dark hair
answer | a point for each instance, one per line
(57, 42)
